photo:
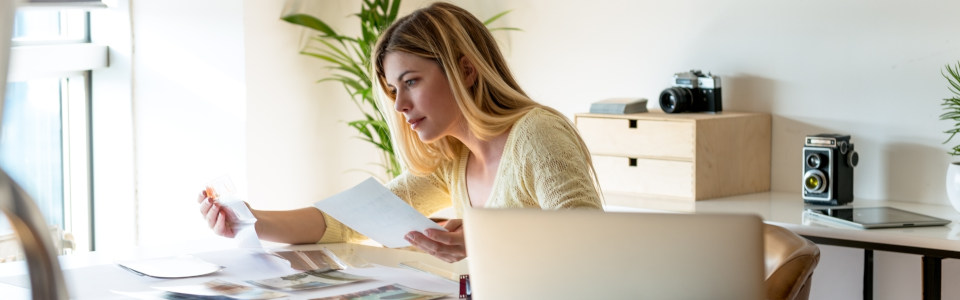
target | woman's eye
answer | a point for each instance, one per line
(410, 82)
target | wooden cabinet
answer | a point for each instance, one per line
(687, 156)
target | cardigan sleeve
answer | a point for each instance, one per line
(427, 194)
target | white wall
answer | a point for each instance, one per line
(112, 132)
(189, 110)
(220, 88)
(870, 69)
(300, 149)
(866, 68)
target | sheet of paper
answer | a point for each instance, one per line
(171, 267)
(372, 210)
(246, 234)
(148, 295)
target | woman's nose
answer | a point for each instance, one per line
(401, 104)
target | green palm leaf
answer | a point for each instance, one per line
(951, 106)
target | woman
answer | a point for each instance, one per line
(466, 132)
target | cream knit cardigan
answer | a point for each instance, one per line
(541, 167)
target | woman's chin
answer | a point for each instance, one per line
(427, 138)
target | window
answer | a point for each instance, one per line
(47, 26)
(31, 149)
(44, 145)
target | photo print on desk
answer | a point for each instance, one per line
(311, 260)
(393, 292)
(308, 280)
(219, 289)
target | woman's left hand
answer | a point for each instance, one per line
(446, 245)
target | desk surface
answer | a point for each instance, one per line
(85, 273)
(786, 210)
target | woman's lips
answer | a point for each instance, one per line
(414, 123)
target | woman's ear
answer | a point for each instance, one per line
(469, 72)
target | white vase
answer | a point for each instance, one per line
(953, 184)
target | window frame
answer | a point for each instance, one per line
(71, 60)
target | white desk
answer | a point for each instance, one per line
(85, 272)
(783, 209)
(786, 210)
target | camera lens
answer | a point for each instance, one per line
(814, 181)
(814, 160)
(674, 100)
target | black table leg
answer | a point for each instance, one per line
(867, 274)
(931, 277)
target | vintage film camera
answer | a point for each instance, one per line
(828, 161)
(692, 91)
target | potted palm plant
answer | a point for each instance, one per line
(951, 108)
(349, 57)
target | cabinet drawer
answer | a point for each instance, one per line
(638, 138)
(645, 176)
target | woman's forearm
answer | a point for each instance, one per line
(299, 226)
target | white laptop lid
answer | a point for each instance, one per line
(581, 254)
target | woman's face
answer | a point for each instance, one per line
(422, 93)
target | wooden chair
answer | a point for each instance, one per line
(790, 260)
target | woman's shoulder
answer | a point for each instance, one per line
(540, 117)
(542, 128)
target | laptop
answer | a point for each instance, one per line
(582, 254)
(873, 217)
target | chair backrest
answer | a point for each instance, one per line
(789, 260)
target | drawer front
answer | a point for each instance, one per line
(638, 138)
(646, 176)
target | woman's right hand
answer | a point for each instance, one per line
(221, 219)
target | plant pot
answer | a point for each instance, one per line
(953, 184)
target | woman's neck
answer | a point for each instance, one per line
(484, 152)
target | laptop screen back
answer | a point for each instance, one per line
(579, 254)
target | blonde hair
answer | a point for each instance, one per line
(446, 33)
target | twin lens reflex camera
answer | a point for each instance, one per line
(828, 162)
(692, 92)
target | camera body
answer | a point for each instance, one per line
(692, 92)
(828, 162)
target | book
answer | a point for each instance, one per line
(619, 106)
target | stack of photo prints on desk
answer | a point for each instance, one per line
(321, 269)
